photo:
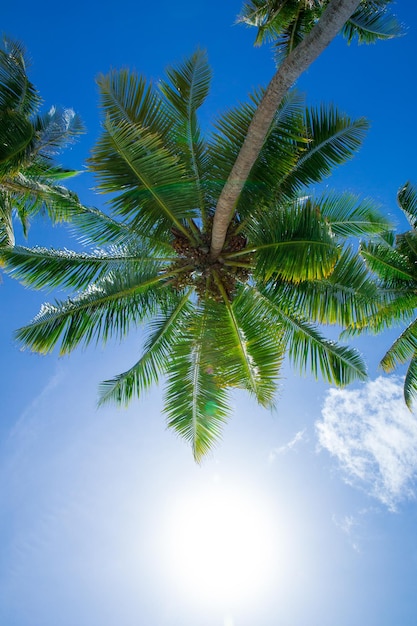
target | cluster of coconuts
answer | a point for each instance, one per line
(197, 269)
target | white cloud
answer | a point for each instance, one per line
(347, 524)
(299, 436)
(374, 436)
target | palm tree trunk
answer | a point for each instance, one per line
(326, 29)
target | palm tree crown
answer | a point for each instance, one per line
(210, 324)
(286, 22)
(29, 142)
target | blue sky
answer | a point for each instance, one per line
(91, 498)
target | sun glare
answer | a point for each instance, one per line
(220, 546)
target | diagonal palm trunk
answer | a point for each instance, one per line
(329, 25)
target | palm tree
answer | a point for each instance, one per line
(210, 324)
(394, 261)
(29, 141)
(301, 29)
(287, 22)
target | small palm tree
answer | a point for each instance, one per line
(29, 142)
(394, 261)
(211, 323)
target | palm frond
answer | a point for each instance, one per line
(6, 223)
(389, 264)
(225, 144)
(334, 138)
(350, 216)
(165, 331)
(17, 93)
(350, 295)
(188, 88)
(251, 350)
(264, 341)
(285, 22)
(189, 85)
(292, 243)
(407, 199)
(403, 349)
(16, 133)
(195, 404)
(406, 245)
(410, 383)
(42, 268)
(94, 227)
(396, 307)
(31, 192)
(293, 34)
(127, 98)
(371, 22)
(158, 194)
(279, 155)
(307, 348)
(54, 130)
(106, 308)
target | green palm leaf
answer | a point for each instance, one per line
(6, 225)
(195, 404)
(406, 245)
(186, 92)
(42, 267)
(349, 296)
(292, 243)
(371, 22)
(264, 342)
(334, 138)
(410, 383)
(17, 93)
(165, 331)
(158, 193)
(307, 348)
(16, 133)
(403, 349)
(27, 144)
(349, 216)
(396, 306)
(285, 22)
(251, 351)
(32, 193)
(127, 98)
(390, 265)
(407, 199)
(92, 226)
(109, 307)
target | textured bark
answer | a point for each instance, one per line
(326, 29)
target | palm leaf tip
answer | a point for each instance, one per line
(195, 404)
(410, 384)
(198, 416)
(407, 199)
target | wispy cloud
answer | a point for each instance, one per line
(374, 437)
(352, 527)
(290, 445)
(29, 415)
